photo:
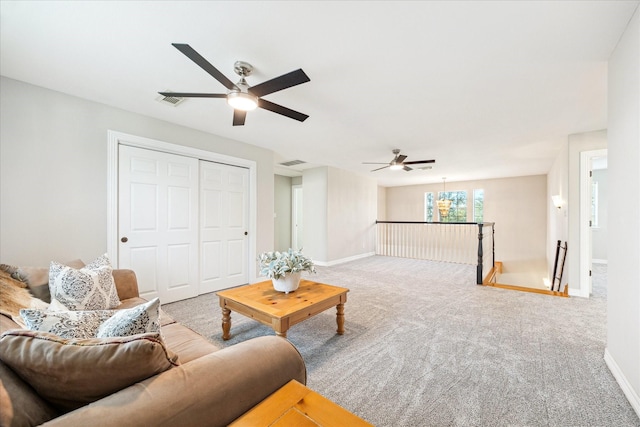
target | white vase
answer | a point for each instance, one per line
(287, 283)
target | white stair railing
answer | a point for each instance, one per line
(460, 242)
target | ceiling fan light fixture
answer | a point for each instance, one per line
(396, 166)
(242, 101)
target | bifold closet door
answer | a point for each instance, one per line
(158, 222)
(224, 219)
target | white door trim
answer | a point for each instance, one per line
(585, 215)
(115, 138)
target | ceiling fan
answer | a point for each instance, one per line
(241, 96)
(398, 162)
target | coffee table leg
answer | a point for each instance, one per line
(226, 323)
(281, 334)
(340, 318)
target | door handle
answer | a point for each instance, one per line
(124, 240)
(246, 233)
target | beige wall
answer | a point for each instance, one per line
(282, 211)
(352, 209)
(623, 293)
(314, 213)
(53, 172)
(382, 204)
(340, 211)
(518, 206)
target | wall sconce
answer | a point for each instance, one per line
(557, 201)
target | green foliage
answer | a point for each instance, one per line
(276, 264)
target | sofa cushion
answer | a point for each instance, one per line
(20, 405)
(72, 373)
(89, 288)
(187, 344)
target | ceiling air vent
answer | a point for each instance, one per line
(293, 163)
(171, 100)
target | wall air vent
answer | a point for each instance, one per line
(170, 100)
(293, 163)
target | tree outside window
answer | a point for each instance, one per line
(478, 205)
(428, 207)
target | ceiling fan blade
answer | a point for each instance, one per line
(374, 163)
(380, 168)
(190, 53)
(238, 117)
(407, 168)
(287, 112)
(419, 161)
(276, 84)
(193, 95)
(400, 158)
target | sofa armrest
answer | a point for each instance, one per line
(126, 283)
(213, 390)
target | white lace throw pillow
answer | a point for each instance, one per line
(89, 288)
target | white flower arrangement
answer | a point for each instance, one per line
(275, 265)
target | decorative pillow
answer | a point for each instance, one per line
(89, 288)
(72, 373)
(141, 319)
(66, 324)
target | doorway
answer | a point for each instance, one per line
(297, 225)
(593, 215)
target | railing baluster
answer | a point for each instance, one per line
(438, 241)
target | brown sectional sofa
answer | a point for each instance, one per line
(210, 387)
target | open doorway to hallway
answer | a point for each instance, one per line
(599, 230)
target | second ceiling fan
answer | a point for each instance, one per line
(241, 96)
(398, 162)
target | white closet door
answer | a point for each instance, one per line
(158, 222)
(224, 225)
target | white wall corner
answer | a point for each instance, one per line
(624, 384)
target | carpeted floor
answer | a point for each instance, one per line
(424, 346)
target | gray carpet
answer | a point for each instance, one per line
(424, 346)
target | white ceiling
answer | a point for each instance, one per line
(488, 89)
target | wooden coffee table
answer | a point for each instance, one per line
(279, 310)
(296, 405)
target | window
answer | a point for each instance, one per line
(478, 205)
(428, 207)
(458, 210)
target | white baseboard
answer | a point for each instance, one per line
(343, 260)
(628, 391)
(600, 261)
(577, 293)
